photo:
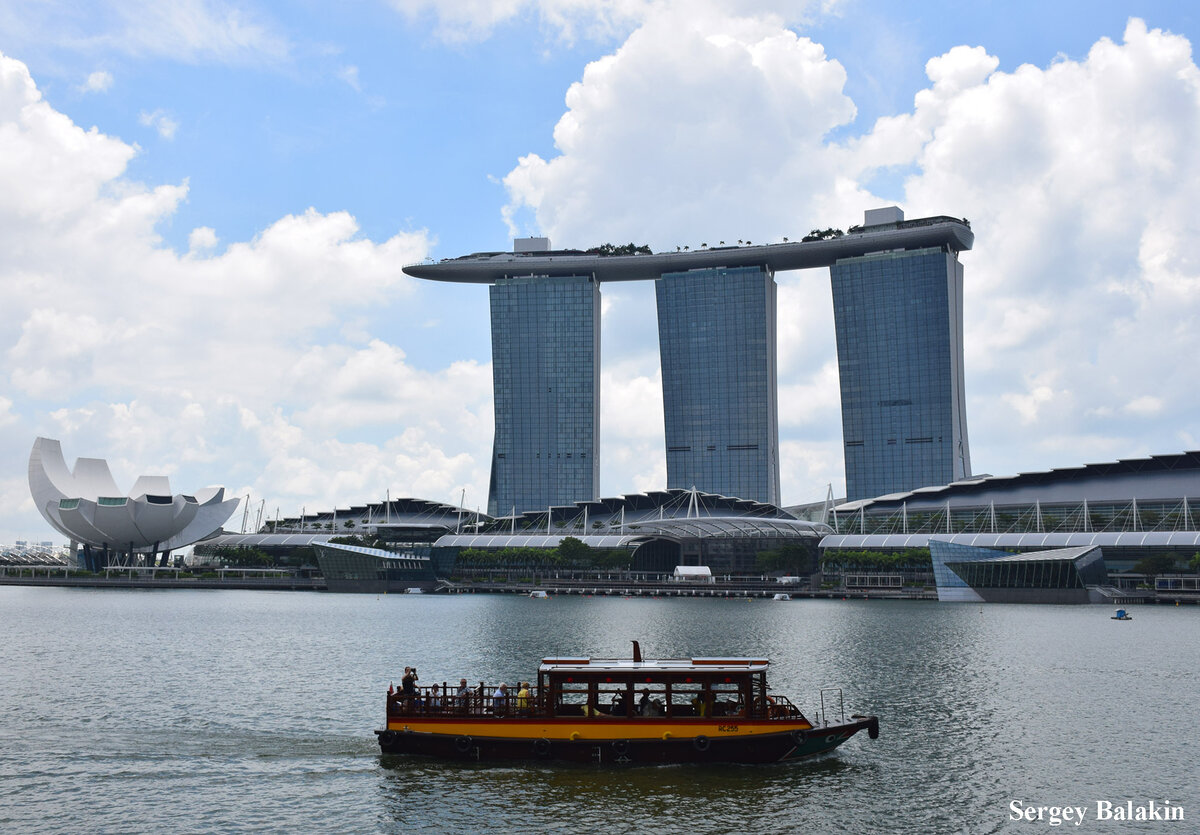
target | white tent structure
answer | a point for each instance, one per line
(692, 574)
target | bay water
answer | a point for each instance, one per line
(240, 711)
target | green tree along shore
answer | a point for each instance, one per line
(1169, 563)
(570, 553)
(913, 559)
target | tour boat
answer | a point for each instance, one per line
(625, 711)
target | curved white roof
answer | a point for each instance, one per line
(86, 505)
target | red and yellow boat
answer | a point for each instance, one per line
(617, 711)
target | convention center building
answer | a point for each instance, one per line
(1128, 509)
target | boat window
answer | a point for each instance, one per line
(727, 699)
(570, 698)
(613, 699)
(689, 699)
(650, 700)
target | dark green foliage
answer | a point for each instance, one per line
(822, 235)
(792, 559)
(621, 249)
(242, 557)
(913, 558)
(571, 553)
(1156, 564)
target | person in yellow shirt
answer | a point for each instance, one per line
(523, 697)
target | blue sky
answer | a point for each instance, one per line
(206, 206)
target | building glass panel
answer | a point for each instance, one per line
(716, 336)
(545, 377)
(898, 318)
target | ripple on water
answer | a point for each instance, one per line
(247, 711)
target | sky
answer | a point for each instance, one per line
(205, 207)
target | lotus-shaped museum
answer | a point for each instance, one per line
(86, 505)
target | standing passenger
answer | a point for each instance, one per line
(500, 699)
(408, 687)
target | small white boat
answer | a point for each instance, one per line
(782, 596)
(538, 594)
(414, 590)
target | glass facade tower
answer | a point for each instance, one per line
(898, 317)
(716, 336)
(545, 377)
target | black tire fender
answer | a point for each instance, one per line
(621, 746)
(541, 747)
(701, 742)
(799, 737)
(463, 744)
(387, 737)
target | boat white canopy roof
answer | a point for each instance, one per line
(565, 664)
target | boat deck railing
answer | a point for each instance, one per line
(484, 701)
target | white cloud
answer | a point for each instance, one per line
(349, 74)
(6, 416)
(202, 238)
(189, 31)
(265, 363)
(1079, 178)
(193, 30)
(97, 82)
(462, 20)
(712, 124)
(161, 121)
(221, 367)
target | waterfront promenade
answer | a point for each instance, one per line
(605, 584)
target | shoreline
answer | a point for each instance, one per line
(734, 591)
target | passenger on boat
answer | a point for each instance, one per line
(618, 705)
(435, 698)
(463, 696)
(523, 698)
(500, 699)
(648, 706)
(408, 687)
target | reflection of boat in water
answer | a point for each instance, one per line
(782, 596)
(620, 711)
(1122, 615)
(539, 595)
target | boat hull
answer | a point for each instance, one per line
(475, 744)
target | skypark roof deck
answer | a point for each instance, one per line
(488, 267)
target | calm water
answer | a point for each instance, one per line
(128, 711)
